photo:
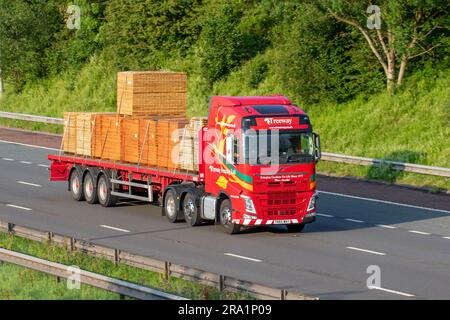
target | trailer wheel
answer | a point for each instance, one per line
(170, 207)
(226, 218)
(90, 189)
(76, 185)
(191, 211)
(295, 227)
(105, 197)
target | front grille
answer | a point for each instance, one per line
(281, 204)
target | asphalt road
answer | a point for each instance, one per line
(404, 232)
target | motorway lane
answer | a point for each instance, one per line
(316, 262)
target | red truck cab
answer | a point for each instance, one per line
(258, 161)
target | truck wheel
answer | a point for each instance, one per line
(170, 207)
(226, 218)
(295, 227)
(105, 197)
(191, 211)
(90, 189)
(76, 186)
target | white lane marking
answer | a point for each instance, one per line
(386, 226)
(43, 166)
(29, 184)
(18, 207)
(28, 145)
(392, 291)
(419, 232)
(367, 251)
(325, 215)
(26, 162)
(8, 159)
(448, 238)
(114, 228)
(241, 257)
(353, 220)
(383, 201)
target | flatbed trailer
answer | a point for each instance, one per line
(123, 178)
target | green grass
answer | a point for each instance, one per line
(411, 126)
(143, 277)
(19, 283)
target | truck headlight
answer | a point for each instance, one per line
(249, 206)
(312, 203)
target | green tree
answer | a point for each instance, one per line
(27, 28)
(396, 31)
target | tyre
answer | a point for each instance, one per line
(76, 186)
(226, 218)
(191, 211)
(295, 227)
(90, 189)
(170, 207)
(105, 197)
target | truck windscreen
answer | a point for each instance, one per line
(270, 147)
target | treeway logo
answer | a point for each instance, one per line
(272, 121)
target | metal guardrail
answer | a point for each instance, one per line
(166, 268)
(96, 280)
(396, 165)
(30, 117)
(326, 156)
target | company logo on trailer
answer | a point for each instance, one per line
(273, 121)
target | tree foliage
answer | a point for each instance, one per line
(314, 50)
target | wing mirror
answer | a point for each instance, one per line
(317, 152)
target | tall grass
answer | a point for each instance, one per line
(18, 283)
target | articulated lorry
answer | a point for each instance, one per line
(256, 167)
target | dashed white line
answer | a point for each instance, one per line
(448, 238)
(43, 166)
(392, 291)
(383, 201)
(242, 257)
(114, 228)
(386, 226)
(367, 251)
(18, 207)
(8, 159)
(325, 215)
(28, 145)
(354, 220)
(26, 162)
(29, 184)
(419, 232)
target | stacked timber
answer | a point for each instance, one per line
(148, 147)
(107, 138)
(149, 93)
(189, 144)
(70, 132)
(85, 124)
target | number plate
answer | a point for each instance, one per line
(282, 221)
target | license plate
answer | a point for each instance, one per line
(282, 221)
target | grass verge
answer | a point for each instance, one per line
(19, 283)
(143, 277)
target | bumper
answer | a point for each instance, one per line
(262, 222)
